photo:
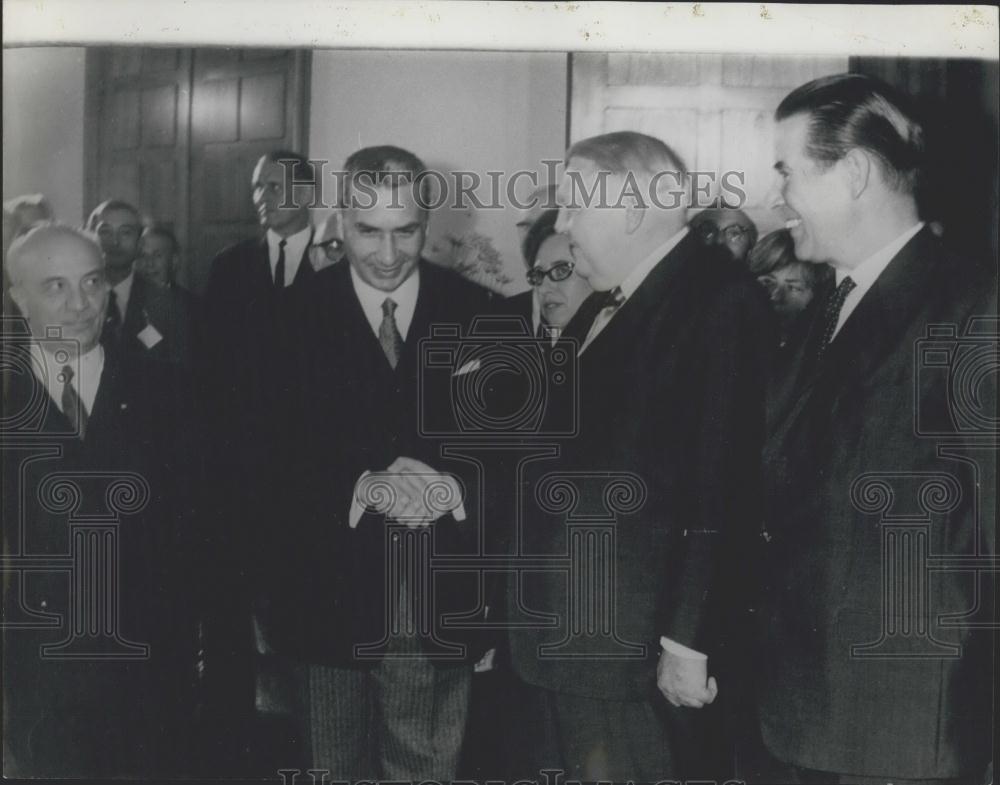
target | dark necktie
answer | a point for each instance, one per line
(72, 406)
(112, 329)
(279, 268)
(831, 314)
(388, 333)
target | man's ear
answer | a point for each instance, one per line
(634, 216)
(857, 166)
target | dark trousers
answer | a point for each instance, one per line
(588, 739)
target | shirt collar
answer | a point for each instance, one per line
(635, 278)
(87, 373)
(405, 297)
(295, 248)
(123, 290)
(864, 274)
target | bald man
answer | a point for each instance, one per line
(75, 411)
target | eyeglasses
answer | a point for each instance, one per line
(709, 232)
(559, 271)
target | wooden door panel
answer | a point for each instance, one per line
(158, 116)
(715, 111)
(178, 131)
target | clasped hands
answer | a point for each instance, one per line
(408, 491)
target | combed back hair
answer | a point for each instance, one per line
(374, 166)
(622, 152)
(776, 251)
(303, 170)
(164, 231)
(540, 231)
(106, 207)
(849, 111)
(25, 247)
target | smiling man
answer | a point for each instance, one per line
(847, 695)
(400, 716)
(79, 412)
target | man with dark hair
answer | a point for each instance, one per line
(679, 328)
(396, 712)
(250, 367)
(858, 684)
(139, 314)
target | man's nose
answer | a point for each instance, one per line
(387, 250)
(563, 221)
(77, 299)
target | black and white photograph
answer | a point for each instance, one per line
(512, 393)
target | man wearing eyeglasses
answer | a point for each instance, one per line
(136, 315)
(727, 228)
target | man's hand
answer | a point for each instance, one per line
(683, 682)
(422, 494)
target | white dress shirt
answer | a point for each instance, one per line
(295, 248)
(866, 273)
(405, 297)
(123, 290)
(632, 282)
(86, 374)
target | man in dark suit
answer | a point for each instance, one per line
(99, 496)
(671, 415)
(869, 451)
(141, 317)
(398, 710)
(250, 371)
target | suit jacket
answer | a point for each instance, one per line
(101, 717)
(171, 312)
(250, 366)
(850, 442)
(670, 395)
(325, 591)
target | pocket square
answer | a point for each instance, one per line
(469, 367)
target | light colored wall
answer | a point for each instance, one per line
(478, 111)
(43, 90)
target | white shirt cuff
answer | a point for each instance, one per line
(679, 650)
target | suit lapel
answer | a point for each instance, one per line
(651, 294)
(874, 326)
(305, 269)
(133, 320)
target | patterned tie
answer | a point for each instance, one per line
(831, 314)
(279, 268)
(111, 332)
(388, 333)
(72, 406)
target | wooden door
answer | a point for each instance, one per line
(177, 132)
(715, 111)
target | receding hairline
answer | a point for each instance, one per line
(28, 246)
